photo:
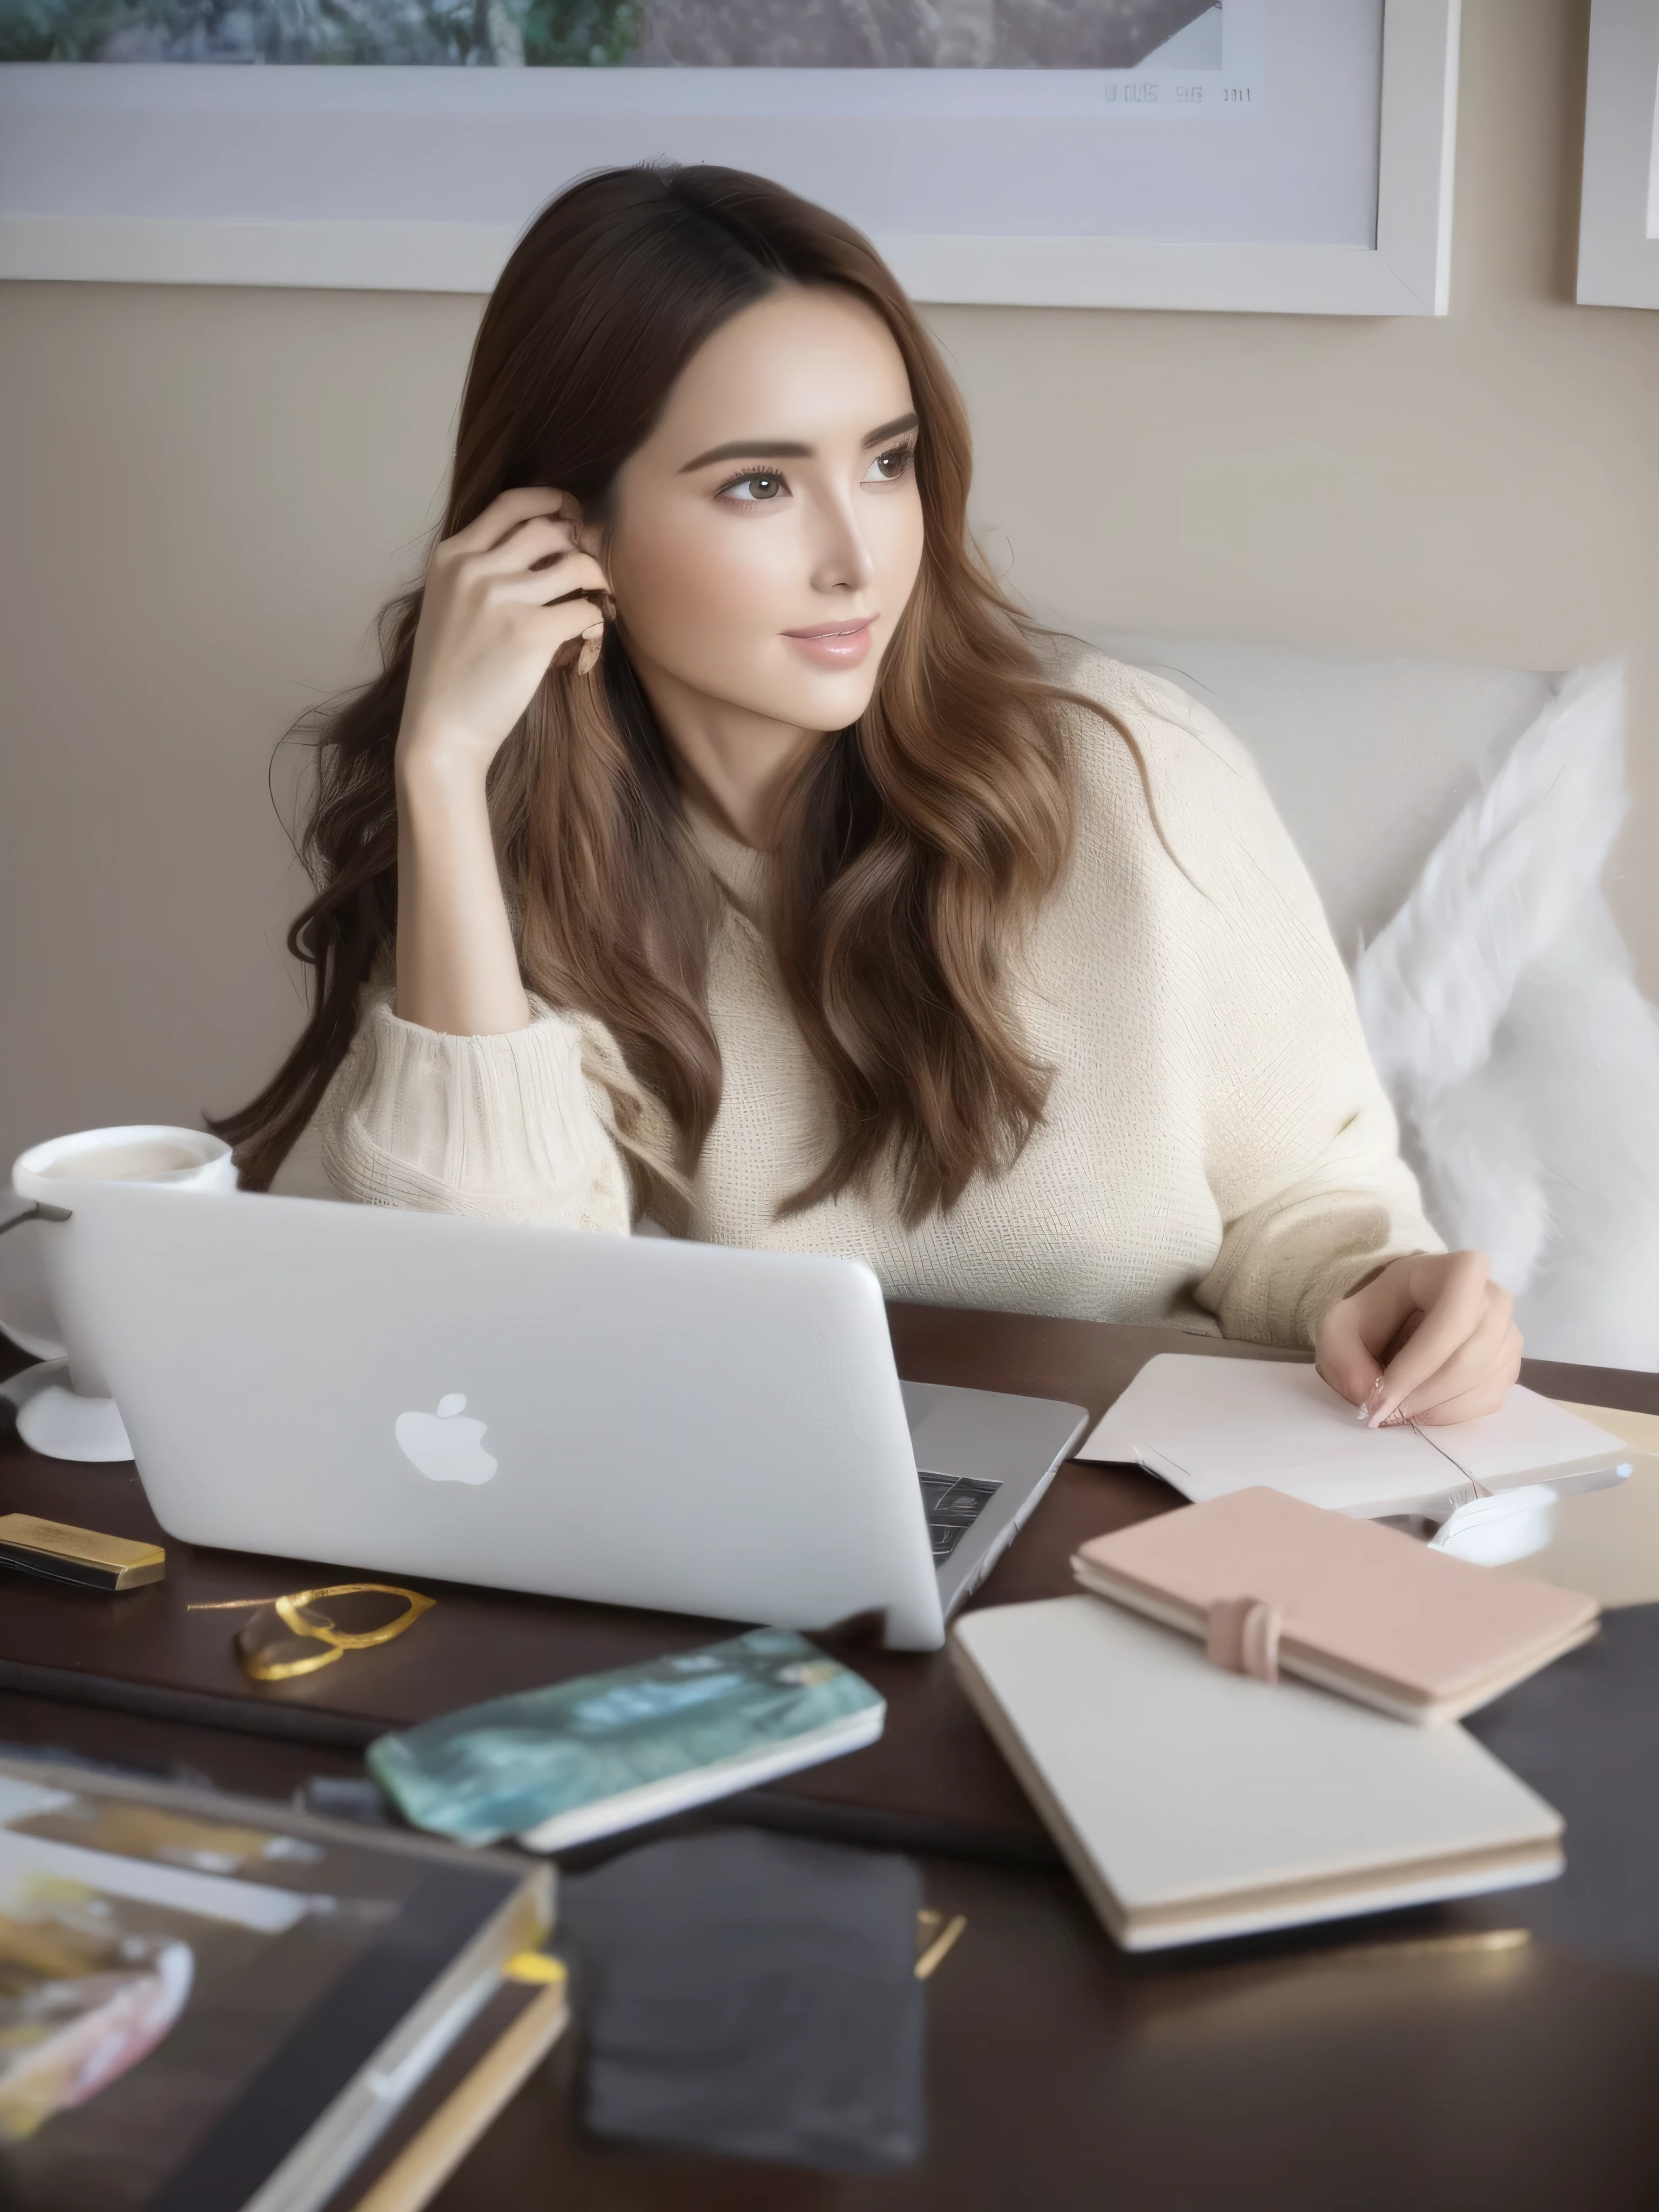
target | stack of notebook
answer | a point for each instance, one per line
(1199, 1790)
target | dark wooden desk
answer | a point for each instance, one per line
(1405, 2061)
(1425, 2060)
(934, 1781)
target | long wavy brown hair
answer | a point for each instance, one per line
(913, 847)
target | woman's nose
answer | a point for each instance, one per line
(841, 558)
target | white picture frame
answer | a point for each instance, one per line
(1618, 214)
(62, 230)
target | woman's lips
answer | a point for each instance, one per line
(834, 645)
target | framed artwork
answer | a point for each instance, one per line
(1618, 214)
(1280, 155)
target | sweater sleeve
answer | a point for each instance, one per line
(1302, 1148)
(506, 1128)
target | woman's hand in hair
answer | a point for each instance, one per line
(1429, 1338)
(503, 598)
(497, 611)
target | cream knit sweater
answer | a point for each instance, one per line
(1217, 1148)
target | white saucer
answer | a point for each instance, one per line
(53, 1420)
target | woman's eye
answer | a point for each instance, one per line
(887, 468)
(762, 485)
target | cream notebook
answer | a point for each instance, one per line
(1210, 1425)
(1192, 1804)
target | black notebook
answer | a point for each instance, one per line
(208, 1999)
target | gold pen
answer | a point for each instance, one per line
(81, 1556)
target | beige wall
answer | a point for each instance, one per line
(207, 493)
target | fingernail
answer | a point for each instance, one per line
(1364, 1413)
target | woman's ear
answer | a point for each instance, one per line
(590, 534)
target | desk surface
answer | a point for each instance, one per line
(933, 1781)
(1432, 2060)
(1411, 2059)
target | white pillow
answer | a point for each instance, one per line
(1505, 1020)
(1367, 759)
(1460, 818)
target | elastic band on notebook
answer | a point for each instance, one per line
(1244, 1636)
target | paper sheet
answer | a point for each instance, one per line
(1210, 1427)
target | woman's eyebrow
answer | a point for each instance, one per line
(789, 449)
(896, 428)
(750, 449)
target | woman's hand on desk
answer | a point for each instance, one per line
(1429, 1339)
(496, 611)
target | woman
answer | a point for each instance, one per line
(719, 849)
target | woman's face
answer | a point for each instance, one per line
(766, 537)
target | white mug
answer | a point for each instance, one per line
(36, 1307)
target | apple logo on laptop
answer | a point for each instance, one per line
(445, 1447)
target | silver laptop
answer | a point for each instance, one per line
(635, 1420)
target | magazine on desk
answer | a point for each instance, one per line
(214, 2005)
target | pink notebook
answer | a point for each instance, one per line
(1269, 1583)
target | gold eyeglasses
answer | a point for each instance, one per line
(272, 1646)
